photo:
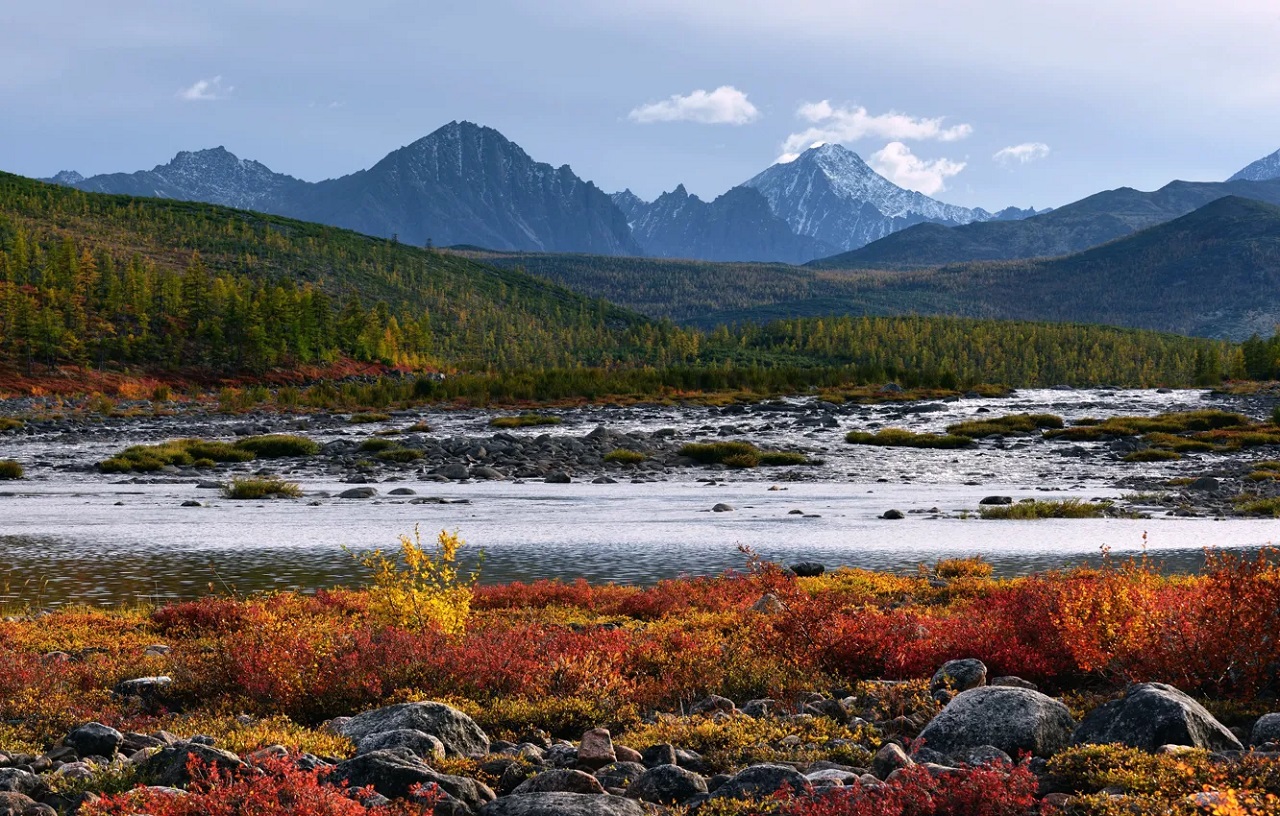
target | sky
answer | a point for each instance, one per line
(985, 103)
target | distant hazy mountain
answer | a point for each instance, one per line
(214, 176)
(1072, 228)
(737, 226)
(1264, 169)
(830, 194)
(463, 184)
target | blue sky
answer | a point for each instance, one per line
(983, 103)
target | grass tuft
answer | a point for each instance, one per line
(10, 469)
(524, 421)
(899, 438)
(261, 488)
(1067, 509)
(1013, 424)
(622, 456)
(278, 446)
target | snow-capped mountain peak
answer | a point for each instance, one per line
(1264, 169)
(828, 192)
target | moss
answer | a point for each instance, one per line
(899, 438)
(260, 488)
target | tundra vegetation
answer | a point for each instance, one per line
(566, 657)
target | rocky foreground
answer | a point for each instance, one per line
(1000, 731)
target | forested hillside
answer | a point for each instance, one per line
(108, 281)
(96, 279)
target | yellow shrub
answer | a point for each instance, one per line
(424, 588)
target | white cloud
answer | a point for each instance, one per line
(897, 163)
(844, 125)
(206, 90)
(725, 105)
(1024, 153)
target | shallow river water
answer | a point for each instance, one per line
(68, 533)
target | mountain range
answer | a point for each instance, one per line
(467, 184)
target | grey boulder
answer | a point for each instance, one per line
(1014, 720)
(960, 675)
(761, 782)
(419, 742)
(95, 739)
(169, 766)
(561, 780)
(1153, 714)
(667, 785)
(394, 772)
(562, 804)
(456, 731)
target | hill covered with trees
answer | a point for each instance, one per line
(158, 285)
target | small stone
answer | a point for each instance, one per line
(892, 515)
(722, 508)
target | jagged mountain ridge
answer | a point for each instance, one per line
(1264, 169)
(462, 184)
(736, 226)
(830, 194)
(214, 176)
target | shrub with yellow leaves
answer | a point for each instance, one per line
(424, 588)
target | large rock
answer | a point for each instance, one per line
(667, 785)
(419, 742)
(1266, 729)
(561, 780)
(16, 780)
(16, 804)
(761, 782)
(168, 767)
(1014, 720)
(458, 732)
(95, 739)
(394, 772)
(960, 675)
(1153, 714)
(619, 774)
(562, 804)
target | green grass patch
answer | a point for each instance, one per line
(524, 421)
(733, 454)
(279, 446)
(401, 455)
(10, 469)
(899, 438)
(622, 456)
(375, 445)
(261, 488)
(1178, 422)
(10, 424)
(366, 418)
(1066, 509)
(1153, 455)
(1259, 507)
(782, 459)
(1013, 424)
(179, 453)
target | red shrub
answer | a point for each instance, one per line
(986, 791)
(282, 789)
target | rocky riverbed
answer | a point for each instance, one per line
(547, 502)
